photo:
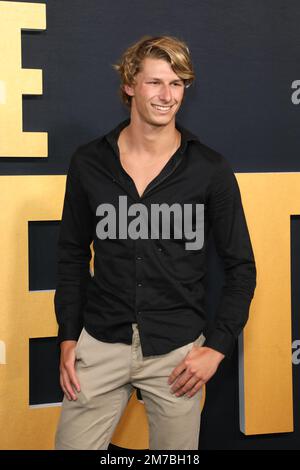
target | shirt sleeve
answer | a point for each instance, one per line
(233, 245)
(74, 255)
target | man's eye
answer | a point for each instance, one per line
(156, 83)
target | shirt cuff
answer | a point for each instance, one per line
(221, 341)
(69, 332)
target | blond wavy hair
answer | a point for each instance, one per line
(169, 48)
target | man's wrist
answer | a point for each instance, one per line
(220, 356)
(68, 343)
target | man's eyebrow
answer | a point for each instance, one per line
(176, 79)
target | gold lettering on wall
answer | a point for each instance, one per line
(266, 368)
(266, 393)
(24, 314)
(16, 81)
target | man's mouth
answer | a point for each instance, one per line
(163, 109)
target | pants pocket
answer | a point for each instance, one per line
(200, 340)
(79, 341)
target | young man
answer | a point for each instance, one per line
(142, 193)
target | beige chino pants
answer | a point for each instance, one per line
(108, 373)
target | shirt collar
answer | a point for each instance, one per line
(113, 135)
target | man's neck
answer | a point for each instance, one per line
(141, 138)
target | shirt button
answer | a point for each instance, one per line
(160, 248)
(139, 257)
(139, 284)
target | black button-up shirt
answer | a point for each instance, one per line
(154, 282)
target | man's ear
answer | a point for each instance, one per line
(129, 90)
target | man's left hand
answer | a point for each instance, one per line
(199, 365)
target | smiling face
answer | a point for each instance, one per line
(157, 94)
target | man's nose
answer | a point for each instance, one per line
(165, 93)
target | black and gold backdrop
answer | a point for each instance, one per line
(245, 103)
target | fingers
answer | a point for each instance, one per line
(176, 372)
(187, 385)
(195, 389)
(190, 387)
(68, 379)
(73, 378)
(183, 384)
(69, 382)
(63, 380)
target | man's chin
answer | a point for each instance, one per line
(160, 121)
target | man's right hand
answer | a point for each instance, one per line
(68, 378)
